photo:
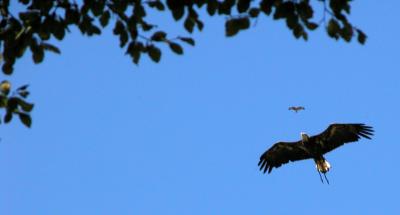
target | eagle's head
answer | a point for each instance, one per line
(304, 137)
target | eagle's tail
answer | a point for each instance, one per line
(322, 165)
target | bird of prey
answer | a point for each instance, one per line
(314, 147)
(296, 108)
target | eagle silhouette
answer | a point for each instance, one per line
(314, 147)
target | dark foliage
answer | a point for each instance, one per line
(40, 20)
(15, 103)
(45, 19)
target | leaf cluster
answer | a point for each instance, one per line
(15, 104)
(39, 21)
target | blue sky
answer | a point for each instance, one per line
(184, 136)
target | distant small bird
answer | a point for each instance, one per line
(314, 147)
(296, 109)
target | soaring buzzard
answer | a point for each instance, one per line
(314, 147)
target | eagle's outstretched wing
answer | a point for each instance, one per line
(281, 153)
(338, 134)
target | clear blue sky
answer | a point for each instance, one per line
(184, 136)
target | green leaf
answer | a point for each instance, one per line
(154, 53)
(25, 119)
(176, 48)
(187, 40)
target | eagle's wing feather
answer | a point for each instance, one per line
(281, 153)
(338, 134)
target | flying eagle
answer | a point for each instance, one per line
(296, 109)
(314, 147)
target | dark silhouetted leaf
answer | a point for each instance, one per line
(159, 36)
(305, 10)
(266, 6)
(27, 107)
(254, 12)
(24, 93)
(187, 40)
(231, 28)
(177, 8)
(119, 29)
(361, 36)
(189, 24)
(157, 4)
(24, 87)
(200, 24)
(7, 68)
(346, 32)
(154, 53)
(298, 31)
(12, 104)
(212, 6)
(38, 55)
(284, 10)
(226, 6)
(176, 48)
(243, 5)
(105, 17)
(311, 25)
(8, 117)
(134, 50)
(3, 101)
(333, 28)
(50, 47)
(25, 119)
